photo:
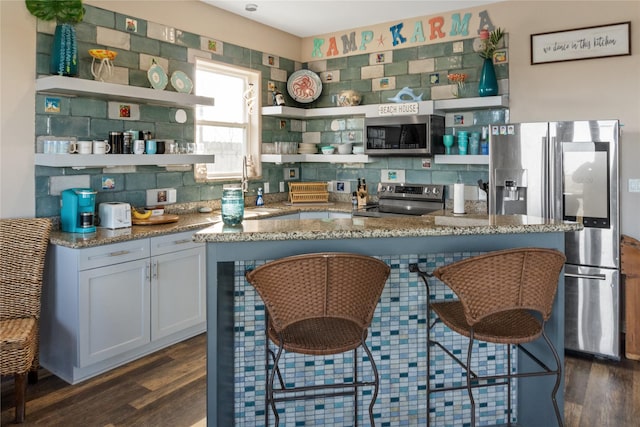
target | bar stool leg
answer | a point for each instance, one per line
(376, 379)
(355, 389)
(509, 384)
(558, 378)
(469, 388)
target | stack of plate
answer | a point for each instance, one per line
(307, 148)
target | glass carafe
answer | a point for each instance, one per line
(232, 204)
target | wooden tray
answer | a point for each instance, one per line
(155, 220)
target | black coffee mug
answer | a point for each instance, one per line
(160, 147)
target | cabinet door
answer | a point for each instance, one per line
(178, 291)
(114, 310)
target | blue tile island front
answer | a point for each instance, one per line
(398, 337)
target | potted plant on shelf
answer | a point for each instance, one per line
(64, 54)
(489, 42)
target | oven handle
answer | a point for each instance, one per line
(586, 276)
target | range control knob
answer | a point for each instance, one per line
(435, 191)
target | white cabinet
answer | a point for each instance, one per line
(107, 305)
(178, 285)
(114, 310)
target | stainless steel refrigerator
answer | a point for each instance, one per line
(569, 170)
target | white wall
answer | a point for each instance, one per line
(17, 110)
(606, 88)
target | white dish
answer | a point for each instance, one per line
(181, 82)
(157, 77)
(304, 86)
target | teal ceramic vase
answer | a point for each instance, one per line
(488, 85)
(64, 55)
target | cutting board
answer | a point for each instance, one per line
(155, 220)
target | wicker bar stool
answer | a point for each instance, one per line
(23, 247)
(318, 304)
(504, 297)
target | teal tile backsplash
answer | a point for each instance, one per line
(87, 117)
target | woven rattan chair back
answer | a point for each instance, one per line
(505, 280)
(310, 286)
(23, 248)
(24, 244)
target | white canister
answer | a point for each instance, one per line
(138, 146)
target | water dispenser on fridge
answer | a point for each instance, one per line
(511, 191)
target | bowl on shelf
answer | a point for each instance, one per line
(328, 150)
(358, 149)
(344, 148)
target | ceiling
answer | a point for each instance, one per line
(305, 18)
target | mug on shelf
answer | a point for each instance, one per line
(151, 146)
(101, 147)
(82, 147)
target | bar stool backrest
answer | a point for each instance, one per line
(505, 280)
(318, 285)
(23, 246)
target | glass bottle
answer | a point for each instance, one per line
(232, 204)
(259, 199)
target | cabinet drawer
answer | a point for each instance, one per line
(116, 253)
(173, 242)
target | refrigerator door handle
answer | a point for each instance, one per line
(586, 276)
(546, 179)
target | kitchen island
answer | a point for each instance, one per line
(235, 316)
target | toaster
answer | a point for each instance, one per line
(115, 215)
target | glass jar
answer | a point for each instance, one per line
(232, 204)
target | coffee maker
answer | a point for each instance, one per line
(77, 210)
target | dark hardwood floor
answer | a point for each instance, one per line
(168, 388)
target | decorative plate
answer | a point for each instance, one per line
(157, 77)
(103, 54)
(304, 86)
(181, 82)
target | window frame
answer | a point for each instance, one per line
(253, 124)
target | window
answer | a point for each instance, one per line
(231, 128)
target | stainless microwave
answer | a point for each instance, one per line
(404, 135)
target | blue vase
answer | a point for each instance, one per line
(64, 56)
(488, 85)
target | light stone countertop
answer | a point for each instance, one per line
(187, 222)
(442, 223)
(209, 227)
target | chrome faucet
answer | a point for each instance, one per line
(245, 177)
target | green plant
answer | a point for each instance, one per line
(62, 11)
(491, 43)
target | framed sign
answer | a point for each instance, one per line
(581, 43)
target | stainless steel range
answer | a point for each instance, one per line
(405, 199)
